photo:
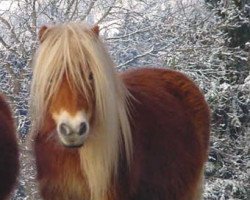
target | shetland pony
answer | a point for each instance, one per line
(99, 135)
(9, 164)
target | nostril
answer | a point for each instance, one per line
(83, 128)
(64, 129)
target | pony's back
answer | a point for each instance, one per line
(8, 151)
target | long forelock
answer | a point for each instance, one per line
(59, 55)
(72, 50)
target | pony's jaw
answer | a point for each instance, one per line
(72, 130)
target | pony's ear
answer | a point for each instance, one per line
(42, 32)
(95, 29)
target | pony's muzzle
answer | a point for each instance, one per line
(67, 130)
(72, 136)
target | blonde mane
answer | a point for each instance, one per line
(72, 49)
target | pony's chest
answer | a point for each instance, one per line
(63, 189)
(75, 188)
(59, 173)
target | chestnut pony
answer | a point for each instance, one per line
(99, 135)
(9, 164)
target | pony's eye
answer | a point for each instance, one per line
(90, 76)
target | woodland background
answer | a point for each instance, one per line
(209, 40)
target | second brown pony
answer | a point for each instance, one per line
(138, 135)
(9, 164)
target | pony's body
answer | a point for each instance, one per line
(169, 124)
(170, 132)
(9, 151)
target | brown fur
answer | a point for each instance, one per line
(42, 32)
(9, 164)
(170, 126)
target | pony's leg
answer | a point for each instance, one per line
(198, 194)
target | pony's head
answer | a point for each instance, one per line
(64, 77)
(76, 88)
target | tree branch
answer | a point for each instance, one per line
(7, 46)
(135, 58)
(91, 6)
(106, 13)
